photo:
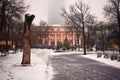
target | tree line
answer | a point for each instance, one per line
(79, 17)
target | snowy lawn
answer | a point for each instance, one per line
(11, 68)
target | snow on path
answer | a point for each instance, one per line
(11, 69)
(110, 62)
(92, 55)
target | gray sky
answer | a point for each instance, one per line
(40, 8)
(54, 10)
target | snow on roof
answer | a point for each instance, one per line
(56, 25)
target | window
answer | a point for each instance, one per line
(58, 29)
(58, 40)
(52, 29)
(52, 35)
(58, 36)
(70, 35)
(65, 36)
(46, 43)
(52, 43)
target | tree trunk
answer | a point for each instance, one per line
(26, 42)
(118, 20)
(26, 48)
(84, 37)
(78, 42)
(102, 38)
(72, 40)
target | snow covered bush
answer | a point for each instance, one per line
(118, 58)
(66, 44)
(59, 46)
(106, 55)
(114, 56)
(99, 54)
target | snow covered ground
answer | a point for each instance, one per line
(11, 68)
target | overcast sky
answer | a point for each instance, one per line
(41, 9)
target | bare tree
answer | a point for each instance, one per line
(112, 12)
(78, 15)
(10, 12)
(73, 28)
(90, 36)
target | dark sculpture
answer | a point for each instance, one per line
(26, 42)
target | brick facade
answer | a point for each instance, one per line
(57, 34)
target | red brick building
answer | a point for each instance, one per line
(55, 34)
